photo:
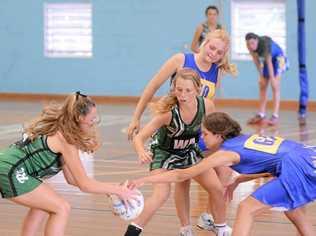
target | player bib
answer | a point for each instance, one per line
(264, 143)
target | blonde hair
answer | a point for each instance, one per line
(166, 103)
(65, 118)
(224, 64)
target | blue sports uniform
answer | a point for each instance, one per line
(293, 164)
(208, 80)
(267, 46)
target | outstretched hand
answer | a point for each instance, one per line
(127, 193)
(133, 129)
(145, 157)
(134, 184)
(229, 190)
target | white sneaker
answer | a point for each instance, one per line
(223, 230)
(206, 221)
(186, 231)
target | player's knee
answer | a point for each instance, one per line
(216, 189)
(262, 86)
(161, 194)
(246, 208)
(275, 87)
(164, 196)
(63, 208)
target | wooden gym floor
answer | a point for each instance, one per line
(116, 161)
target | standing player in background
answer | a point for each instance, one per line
(271, 62)
(211, 24)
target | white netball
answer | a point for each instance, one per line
(132, 210)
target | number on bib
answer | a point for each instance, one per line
(264, 143)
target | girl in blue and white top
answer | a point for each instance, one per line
(271, 62)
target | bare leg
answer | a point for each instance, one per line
(275, 84)
(263, 86)
(158, 197)
(44, 198)
(210, 182)
(246, 212)
(33, 221)
(224, 175)
(182, 201)
(299, 219)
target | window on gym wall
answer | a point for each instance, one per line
(265, 17)
(68, 30)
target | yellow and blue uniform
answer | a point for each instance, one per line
(266, 46)
(208, 80)
(293, 165)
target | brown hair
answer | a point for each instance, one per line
(251, 35)
(166, 103)
(222, 124)
(65, 118)
(224, 64)
(211, 7)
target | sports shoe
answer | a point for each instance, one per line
(224, 230)
(186, 231)
(132, 230)
(274, 120)
(206, 221)
(256, 119)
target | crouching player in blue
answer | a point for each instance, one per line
(292, 164)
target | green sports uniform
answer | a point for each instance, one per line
(24, 164)
(174, 146)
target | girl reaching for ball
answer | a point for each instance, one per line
(52, 144)
(292, 165)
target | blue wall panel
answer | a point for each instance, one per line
(131, 40)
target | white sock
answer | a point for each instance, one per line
(136, 225)
(222, 229)
(261, 114)
(185, 228)
(222, 225)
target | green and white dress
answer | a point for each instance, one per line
(24, 164)
(175, 146)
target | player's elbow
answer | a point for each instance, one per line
(84, 186)
(72, 182)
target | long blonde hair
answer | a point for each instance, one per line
(65, 118)
(166, 103)
(224, 64)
